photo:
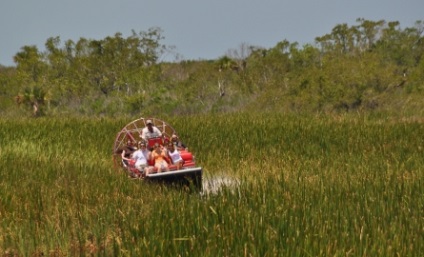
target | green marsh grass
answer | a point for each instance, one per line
(307, 186)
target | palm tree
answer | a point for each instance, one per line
(34, 97)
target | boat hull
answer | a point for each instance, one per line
(190, 177)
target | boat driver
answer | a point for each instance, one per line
(150, 131)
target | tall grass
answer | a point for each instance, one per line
(308, 186)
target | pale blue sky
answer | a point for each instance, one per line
(199, 29)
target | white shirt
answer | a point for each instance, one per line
(175, 156)
(139, 158)
(146, 134)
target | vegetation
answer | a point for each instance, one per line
(374, 65)
(347, 185)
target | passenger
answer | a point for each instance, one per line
(175, 156)
(129, 163)
(166, 140)
(143, 148)
(140, 161)
(126, 157)
(178, 144)
(159, 156)
(127, 151)
(150, 131)
(130, 146)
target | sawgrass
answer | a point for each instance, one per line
(303, 186)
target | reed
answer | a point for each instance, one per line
(289, 186)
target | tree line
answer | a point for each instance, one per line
(372, 65)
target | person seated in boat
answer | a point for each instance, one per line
(175, 156)
(130, 147)
(127, 151)
(129, 164)
(177, 143)
(166, 140)
(159, 155)
(150, 131)
(142, 146)
(138, 160)
(126, 156)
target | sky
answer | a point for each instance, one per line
(197, 29)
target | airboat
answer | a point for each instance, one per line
(127, 139)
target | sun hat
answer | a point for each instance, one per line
(149, 122)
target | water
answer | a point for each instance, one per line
(213, 185)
